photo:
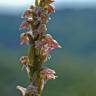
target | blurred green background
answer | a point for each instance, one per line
(75, 63)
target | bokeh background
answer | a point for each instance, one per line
(74, 27)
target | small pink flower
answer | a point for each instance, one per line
(51, 9)
(51, 42)
(24, 60)
(24, 38)
(47, 44)
(25, 25)
(27, 13)
(48, 40)
(48, 74)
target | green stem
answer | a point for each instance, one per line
(36, 2)
(31, 60)
(34, 67)
(35, 63)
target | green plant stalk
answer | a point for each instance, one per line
(35, 67)
(36, 3)
(35, 63)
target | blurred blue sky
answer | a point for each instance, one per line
(15, 3)
(17, 6)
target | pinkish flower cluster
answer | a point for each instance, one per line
(47, 44)
(40, 45)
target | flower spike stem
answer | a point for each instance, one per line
(36, 2)
(40, 45)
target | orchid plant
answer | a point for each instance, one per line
(40, 45)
